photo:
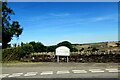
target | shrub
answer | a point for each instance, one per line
(27, 49)
(15, 53)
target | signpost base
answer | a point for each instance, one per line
(58, 59)
(67, 59)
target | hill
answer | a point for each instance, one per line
(99, 45)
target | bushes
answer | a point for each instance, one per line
(38, 46)
(15, 53)
(27, 49)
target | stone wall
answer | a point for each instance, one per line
(83, 57)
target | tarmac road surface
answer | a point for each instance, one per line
(60, 70)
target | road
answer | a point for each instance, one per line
(60, 70)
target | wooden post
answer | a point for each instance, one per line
(67, 59)
(58, 59)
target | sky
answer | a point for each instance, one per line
(63, 0)
(76, 22)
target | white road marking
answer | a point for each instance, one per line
(15, 75)
(59, 72)
(112, 70)
(31, 74)
(96, 70)
(79, 71)
(47, 72)
(3, 75)
(62, 72)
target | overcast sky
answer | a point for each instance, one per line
(77, 22)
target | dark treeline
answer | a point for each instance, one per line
(40, 47)
(24, 49)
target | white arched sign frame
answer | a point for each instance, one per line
(62, 51)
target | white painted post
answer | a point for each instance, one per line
(58, 59)
(33, 58)
(67, 59)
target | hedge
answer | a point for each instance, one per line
(16, 53)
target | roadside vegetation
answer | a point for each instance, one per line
(38, 50)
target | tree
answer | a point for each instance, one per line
(74, 50)
(8, 45)
(27, 49)
(15, 45)
(94, 49)
(67, 44)
(51, 48)
(118, 44)
(81, 49)
(32, 43)
(64, 43)
(9, 29)
(38, 46)
(22, 43)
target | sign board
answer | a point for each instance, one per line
(62, 51)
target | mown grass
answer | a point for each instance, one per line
(19, 63)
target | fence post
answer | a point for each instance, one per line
(67, 59)
(58, 59)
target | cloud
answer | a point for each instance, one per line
(50, 16)
(35, 18)
(59, 15)
(99, 19)
(102, 18)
